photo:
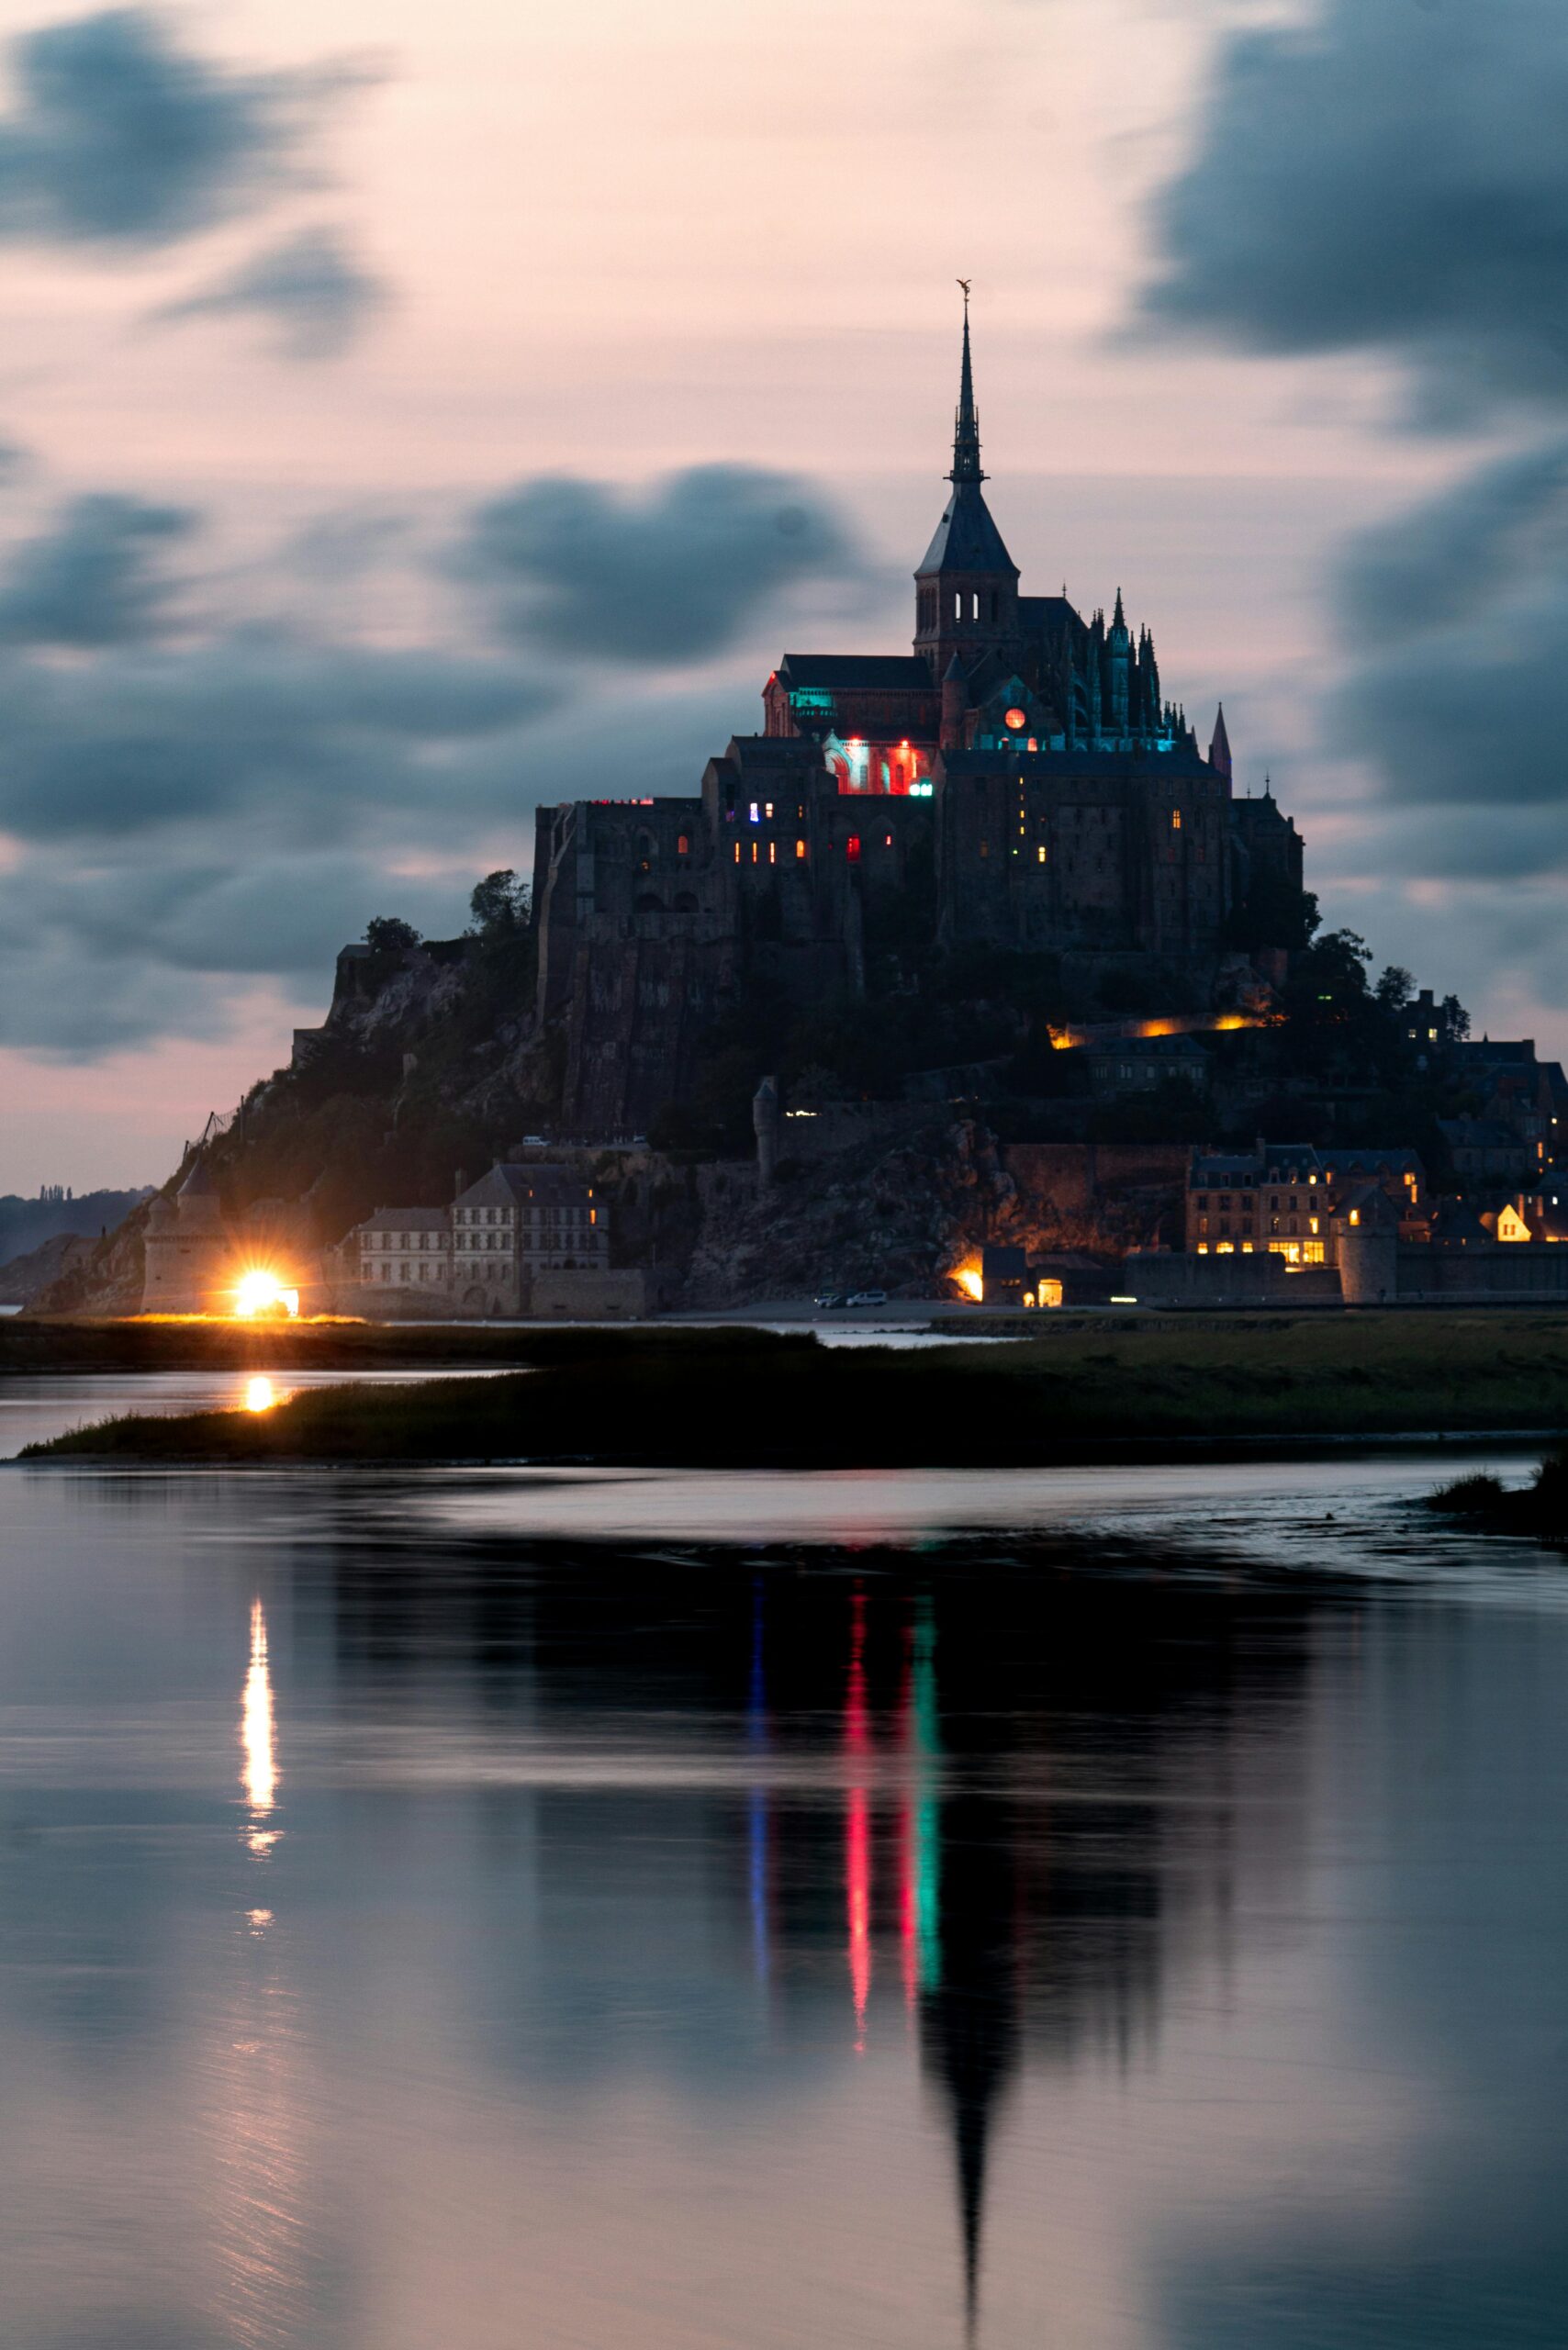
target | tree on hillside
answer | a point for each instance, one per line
(386, 934)
(498, 906)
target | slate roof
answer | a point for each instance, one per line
(846, 672)
(405, 1220)
(966, 539)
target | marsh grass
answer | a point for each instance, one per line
(734, 1397)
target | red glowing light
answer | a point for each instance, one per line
(857, 1823)
(1016, 719)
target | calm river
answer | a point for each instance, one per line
(1120, 1910)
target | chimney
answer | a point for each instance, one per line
(460, 1183)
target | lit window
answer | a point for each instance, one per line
(738, 851)
(1202, 1248)
(1040, 853)
(756, 813)
(887, 840)
(773, 852)
(800, 848)
(754, 852)
(683, 846)
(1175, 819)
(768, 811)
(852, 848)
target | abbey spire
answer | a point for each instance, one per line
(966, 587)
(965, 424)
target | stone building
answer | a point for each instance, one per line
(187, 1254)
(518, 1223)
(407, 1247)
(1018, 779)
(1283, 1199)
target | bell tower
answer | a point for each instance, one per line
(966, 590)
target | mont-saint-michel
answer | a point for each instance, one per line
(784, 1176)
(972, 974)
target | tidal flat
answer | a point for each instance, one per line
(738, 1397)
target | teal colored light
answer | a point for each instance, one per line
(927, 1832)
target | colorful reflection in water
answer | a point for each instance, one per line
(257, 1740)
(857, 1823)
(260, 1396)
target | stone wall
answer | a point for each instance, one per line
(1103, 1197)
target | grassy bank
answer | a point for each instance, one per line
(737, 1397)
(1539, 1508)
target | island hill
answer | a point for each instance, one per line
(1082, 1388)
(967, 948)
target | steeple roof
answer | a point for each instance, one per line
(966, 539)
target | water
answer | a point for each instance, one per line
(1127, 1910)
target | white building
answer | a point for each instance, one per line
(517, 1222)
(405, 1247)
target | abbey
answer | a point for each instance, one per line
(1018, 779)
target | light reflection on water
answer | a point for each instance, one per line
(694, 1925)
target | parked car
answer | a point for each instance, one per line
(829, 1299)
(869, 1297)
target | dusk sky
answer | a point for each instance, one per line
(411, 415)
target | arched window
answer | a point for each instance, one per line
(648, 903)
(685, 902)
(974, 605)
(683, 844)
(957, 608)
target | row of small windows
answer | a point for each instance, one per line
(990, 600)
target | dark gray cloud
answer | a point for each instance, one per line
(1388, 176)
(308, 288)
(117, 135)
(194, 809)
(93, 577)
(319, 738)
(674, 574)
(1457, 620)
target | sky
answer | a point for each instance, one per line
(409, 417)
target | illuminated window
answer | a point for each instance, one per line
(1225, 1249)
(1040, 853)
(1202, 1248)
(1312, 1250)
(985, 848)
(1015, 720)
(756, 813)
(683, 846)
(754, 852)
(800, 848)
(1175, 819)
(1355, 1216)
(738, 851)
(773, 852)
(768, 811)
(852, 848)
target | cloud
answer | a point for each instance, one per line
(1457, 620)
(1386, 178)
(309, 289)
(193, 807)
(117, 135)
(92, 580)
(674, 574)
(317, 737)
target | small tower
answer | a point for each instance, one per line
(1118, 662)
(1219, 749)
(966, 590)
